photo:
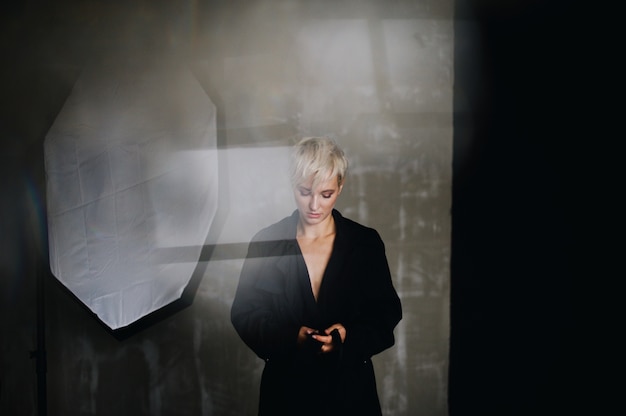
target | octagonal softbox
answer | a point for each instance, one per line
(131, 168)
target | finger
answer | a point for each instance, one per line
(342, 331)
(326, 339)
(338, 327)
(326, 348)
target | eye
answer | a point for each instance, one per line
(305, 193)
(327, 195)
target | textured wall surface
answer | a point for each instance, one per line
(375, 75)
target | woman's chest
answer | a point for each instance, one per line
(316, 255)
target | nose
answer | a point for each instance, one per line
(313, 203)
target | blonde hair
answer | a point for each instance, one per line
(319, 159)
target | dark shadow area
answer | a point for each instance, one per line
(526, 192)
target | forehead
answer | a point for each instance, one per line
(320, 184)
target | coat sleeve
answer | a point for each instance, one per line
(377, 309)
(254, 312)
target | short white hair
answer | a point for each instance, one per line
(319, 159)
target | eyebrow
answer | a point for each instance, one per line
(303, 188)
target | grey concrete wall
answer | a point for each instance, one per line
(376, 75)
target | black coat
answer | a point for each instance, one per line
(274, 299)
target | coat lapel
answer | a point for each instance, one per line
(341, 251)
(294, 273)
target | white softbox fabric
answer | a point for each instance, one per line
(131, 168)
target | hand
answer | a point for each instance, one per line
(304, 333)
(327, 340)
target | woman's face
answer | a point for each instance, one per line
(316, 205)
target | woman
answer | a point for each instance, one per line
(315, 298)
